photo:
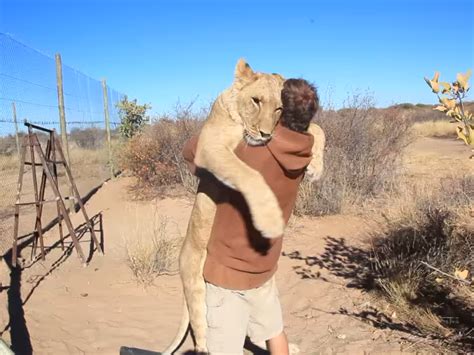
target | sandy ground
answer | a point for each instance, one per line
(60, 307)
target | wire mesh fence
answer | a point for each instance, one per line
(29, 91)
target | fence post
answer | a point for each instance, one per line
(107, 126)
(62, 113)
(16, 128)
(62, 118)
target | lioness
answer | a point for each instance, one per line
(250, 108)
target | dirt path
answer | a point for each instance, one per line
(95, 310)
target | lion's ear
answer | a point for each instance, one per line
(243, 72)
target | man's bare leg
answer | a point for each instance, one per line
(278, 345)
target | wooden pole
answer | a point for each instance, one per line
(88, 221)
(16, 129)
(17, 203)
(38, 234)
(107, 125)
(62, 115)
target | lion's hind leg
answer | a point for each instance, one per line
(192, 258)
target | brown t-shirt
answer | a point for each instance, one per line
(238, 257)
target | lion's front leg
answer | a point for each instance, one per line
(215, 153)
(192, 258)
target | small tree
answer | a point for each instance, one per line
(451, 103)
(132, 117)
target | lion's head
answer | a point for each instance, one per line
(257, 100)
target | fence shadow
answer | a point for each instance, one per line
(19, 334)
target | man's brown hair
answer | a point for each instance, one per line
(300, 104)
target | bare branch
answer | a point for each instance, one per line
(446, 274)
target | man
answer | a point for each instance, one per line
(241, 295)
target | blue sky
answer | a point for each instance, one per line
(164, 51)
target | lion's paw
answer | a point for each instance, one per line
(268, 219)
(314, 172)
(272, 229)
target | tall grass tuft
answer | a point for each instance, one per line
(151, 253)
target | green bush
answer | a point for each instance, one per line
(132, 117)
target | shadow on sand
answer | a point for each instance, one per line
(356, 266)
(19, 334)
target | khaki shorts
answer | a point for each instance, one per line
(232, 315)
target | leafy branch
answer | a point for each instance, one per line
(451, 102)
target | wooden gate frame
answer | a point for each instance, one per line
(49, 164)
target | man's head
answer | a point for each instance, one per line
(300, 104)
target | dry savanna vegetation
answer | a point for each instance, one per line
(421, 254)
(151, 250)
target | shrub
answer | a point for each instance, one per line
(88, 138)
(155, 155)
(419, 112)
(152, 253)
(363, 151)
(430, 229)
(451, 101)
(364, 148)
(132, 117)
(8, 144)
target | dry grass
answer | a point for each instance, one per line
(362, 160)
(152, 251)
(9, 163)
(429, 223)
(154, 156)
(85, 163)
(79, 156)
(438, 129)
(88, 156)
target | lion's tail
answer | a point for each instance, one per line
(182, 332)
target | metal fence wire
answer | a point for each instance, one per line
(29, 91)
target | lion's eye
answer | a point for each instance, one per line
(279, 109)
(256, 100)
